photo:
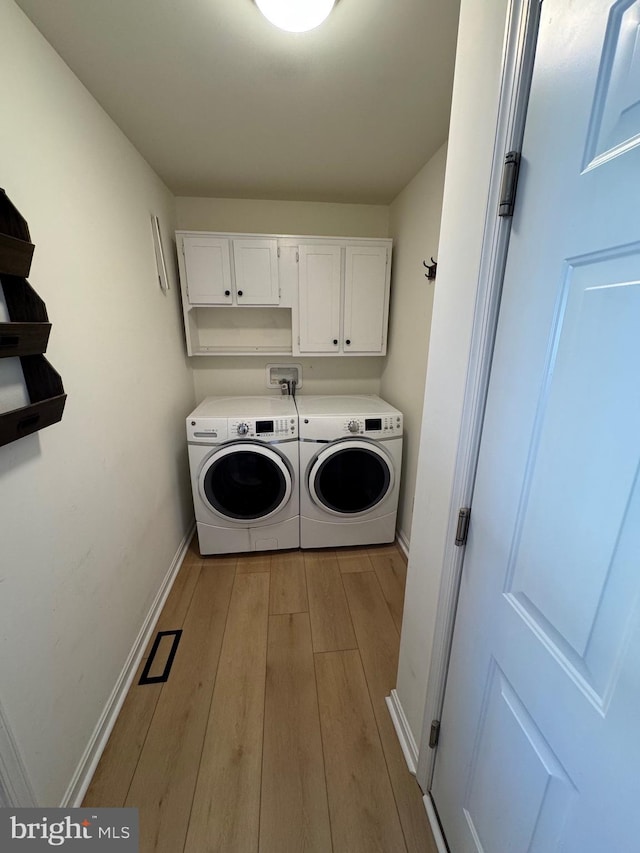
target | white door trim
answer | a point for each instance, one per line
(15, 788)
(434, 823)
(517, 66)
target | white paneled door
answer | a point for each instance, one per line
(540, 737)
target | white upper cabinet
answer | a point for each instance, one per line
(299, 295)
(344, 298)
(256, 271)
(366, 299)
(208, 270)
(225, 271)
(320, 291)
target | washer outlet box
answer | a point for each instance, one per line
(279, 373)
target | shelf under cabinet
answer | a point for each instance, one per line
(239, 331)
(241, 351)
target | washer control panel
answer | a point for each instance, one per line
(219, 430)
(269, 429)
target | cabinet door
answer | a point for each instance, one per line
(256, 269)
(208, 270)
(319, 295)
(366, 299)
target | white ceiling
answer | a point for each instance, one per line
(223, 104)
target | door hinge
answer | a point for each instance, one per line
(509, 184)
(278, 251)
(297, 256)
(462, 530)
(434, 734)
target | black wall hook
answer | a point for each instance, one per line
(431, 269)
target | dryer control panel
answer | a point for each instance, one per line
(332, 427)
(384, 426)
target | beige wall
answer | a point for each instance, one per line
(93, 509)
(414, 224)
(282, 217)
(235, 375)
(320, 375)
(471, 140)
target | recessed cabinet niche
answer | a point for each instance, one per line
(253, 294)
(24, 335)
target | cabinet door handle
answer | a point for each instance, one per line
(335, 342)
(239, 293)
(348, 342)
(227, 293)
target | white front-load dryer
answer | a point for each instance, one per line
(244, 463)
(350, 461)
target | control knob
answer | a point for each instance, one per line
(353, 426)
(243, 429)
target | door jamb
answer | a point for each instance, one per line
(517, 66)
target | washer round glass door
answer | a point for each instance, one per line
(245, 482)
(350, 477)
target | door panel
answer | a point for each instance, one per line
(320, 295)
(365, 299)
(208, 268)
(540, 739)
(615, 117)
(512, 751)
(256, 269)
(586, 443)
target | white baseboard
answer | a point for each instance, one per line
(15, 788)
(405, 736)
(98, 741)
(403, 542)
(441, 844)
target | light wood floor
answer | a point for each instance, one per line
(271, 734)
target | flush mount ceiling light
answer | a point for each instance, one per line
(295, 16)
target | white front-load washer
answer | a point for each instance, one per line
(350, 460)
(244, 462)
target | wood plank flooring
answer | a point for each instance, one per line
(271, 734)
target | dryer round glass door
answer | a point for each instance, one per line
(245, 482)
(350, 477)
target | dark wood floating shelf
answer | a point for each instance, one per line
(27, 333)
(16, 248)
(47, 399)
